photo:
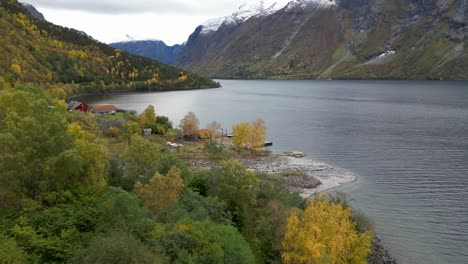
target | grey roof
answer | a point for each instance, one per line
(73, 104)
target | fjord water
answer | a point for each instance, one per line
(406, 141)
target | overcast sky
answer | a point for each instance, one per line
(111, 20)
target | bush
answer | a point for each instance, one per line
(113, 132)
(363, 222)
(119, 246)
(215, 151)
(205, 242)
(164, 121)
(10, 253)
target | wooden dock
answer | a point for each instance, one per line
(265, 144)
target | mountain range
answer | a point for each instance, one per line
(323, 39)
(155, 49)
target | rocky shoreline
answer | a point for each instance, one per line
(305, 175)
(378, 254)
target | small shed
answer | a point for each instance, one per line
(147, 131)
(104, 109)
(77, 106)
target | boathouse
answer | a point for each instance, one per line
(104, 109)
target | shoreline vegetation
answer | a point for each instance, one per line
(142, 90)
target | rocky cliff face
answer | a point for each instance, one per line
(357, 39)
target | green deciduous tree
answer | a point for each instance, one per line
(40, 154)
(93, 155)
(140, 159)
(10, 253)
(119, 247)
(55, 233)
(204, 242)
(132, 128)
(237, 187)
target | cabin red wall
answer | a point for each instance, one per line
(82, 107)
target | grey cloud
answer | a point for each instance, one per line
(139, 6)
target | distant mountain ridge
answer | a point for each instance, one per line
(154, 49)
(338, 39)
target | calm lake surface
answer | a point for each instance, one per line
(406, 141)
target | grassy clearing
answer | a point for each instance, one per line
(112, 117)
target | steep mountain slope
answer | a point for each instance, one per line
(158, 50)
(363, 39)
(33, 50)
(154, 49)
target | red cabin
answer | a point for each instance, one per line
(78, 106)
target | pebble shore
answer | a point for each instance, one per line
(319, 176)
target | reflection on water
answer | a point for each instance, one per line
(406, 141)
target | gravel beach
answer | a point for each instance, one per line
(323, 176)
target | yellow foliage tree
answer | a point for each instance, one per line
(78, 54)
(183, 78)
(16, 69)
(257, 133)
(4, 85)
(161, 192)
(324, 233)
(148, 116)
(240, 135)
(58, 93)
(93, 154)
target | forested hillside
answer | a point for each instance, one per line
(33, 50)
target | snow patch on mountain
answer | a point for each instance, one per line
(387, 53)
(212, 25)
(242, 14)
(310, 3)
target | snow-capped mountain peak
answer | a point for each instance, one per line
(243, 13)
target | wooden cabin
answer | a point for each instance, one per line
(77, 106)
